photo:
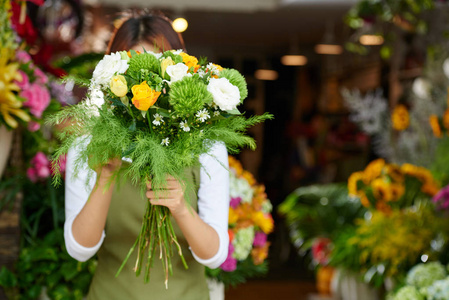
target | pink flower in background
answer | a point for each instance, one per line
(33, 126)
(260, 239)
(40, 167)
(23, 56)
(441, 199)
(37, 97)
(235, 202)
(40, 76)
(25, 82)
(230, 264)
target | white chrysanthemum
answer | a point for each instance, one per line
(216, 113)
(225, 94)
(184, 126)
(165, 141)
(95, 100)
(177, 52)
(243, 243)
(157, 55)
(107, 67)
(177, 72)
(158, 119)
(240, 187)
(202, 115)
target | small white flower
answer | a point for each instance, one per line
(184, 126)
(216, 113)
(95, 100)
(165, 142)
(201, 73)
(177, 72)
(158, 119)
(157, 55)
(225, 94)
(177, 52)
(202, 115)
(107, 67)
(213, 69)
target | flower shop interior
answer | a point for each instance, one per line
(347, 185)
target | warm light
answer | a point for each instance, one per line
(294, 60)
(371, 40)
(328, 49)
(180, 24)
(263, 74)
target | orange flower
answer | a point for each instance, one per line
(364, 199)
(259, 254)
(446, 119)
(188, 60)
(434, 123)
(264, 221)
(129, 53)
(373, 170)
(233, 217)
(394, 172)
(144, 96)
(231, 235)
(249, 177)
(353, 181)
(381, 190)
(383, 207)
(400, 117)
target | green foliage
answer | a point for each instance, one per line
(245, 269)
(319, 211)
(80, 66)
(236, 79)
(440, 164)
(143, 61)
(189, 96)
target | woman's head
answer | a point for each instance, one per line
(154, 30)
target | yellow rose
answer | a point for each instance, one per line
(165, 63)
(144, 96)
(119, 86)
(188, 60)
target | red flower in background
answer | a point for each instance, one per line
(23, 26)
(321, 250)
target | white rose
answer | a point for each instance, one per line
(226, 95)
(421, 88)
(95, 100)
(177, 72)
(446, 67)
(108, 67)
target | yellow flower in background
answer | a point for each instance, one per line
(233, 217)
(119, 85)
(144, 96)
(264, 221)
(10, 104)
(446, 119)
(373, 170)
(165, 63)
(394, 172)
(259, 254)
(364, 199)
(353, 181)
(381, 190)
(249, 177)
(435, 124)
(236, 165)
(397, 191)
(219, 68)
(189, 60)
(400, 117)
(430, 188)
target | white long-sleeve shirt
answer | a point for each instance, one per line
(213, 203)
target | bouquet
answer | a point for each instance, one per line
(161, 111)
(250, 222)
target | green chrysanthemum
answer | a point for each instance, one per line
(144, 61)
(236, 79)
(408, 293)
(189, 96)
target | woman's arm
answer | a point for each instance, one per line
(86, 208)
(205, 232)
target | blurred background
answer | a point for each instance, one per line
(334, 73)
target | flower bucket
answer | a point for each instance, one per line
(348, 286)
(5, 147)
(216, 289)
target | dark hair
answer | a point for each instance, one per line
(154, 29)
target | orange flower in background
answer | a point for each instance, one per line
(373, 170)
(435, 124)
(236, 165)
(381, 190)
(400, 117)
(259, 254)
(446, 119)
(249, 177)
(144, 96)
(353, 181)
(397, 190)
(264, 221)
(231, 235)
(383, 207)
(364, 199)
(233, 217)
(129, 53)
(394, 171)
(189, 60)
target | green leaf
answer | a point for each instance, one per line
(7, 278)
(235, 111)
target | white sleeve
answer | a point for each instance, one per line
(213, 200)
(76, 196)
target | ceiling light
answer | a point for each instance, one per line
(265, 74)
(328, 49)
(180, 24)
(294, 60)
(371, 40)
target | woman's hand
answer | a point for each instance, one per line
(172, 196)
(107, 170)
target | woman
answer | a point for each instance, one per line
(108, 220)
